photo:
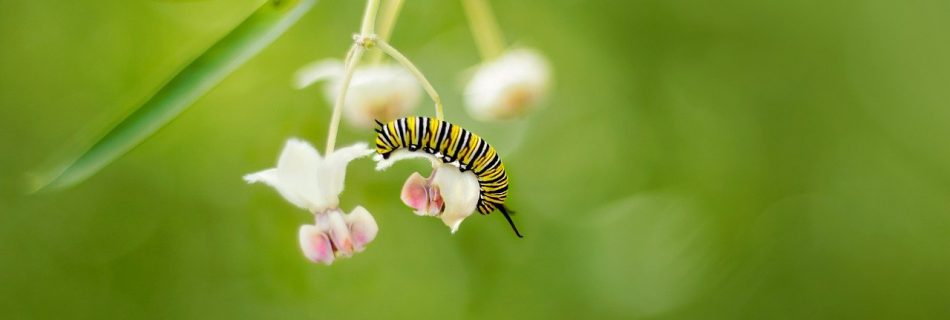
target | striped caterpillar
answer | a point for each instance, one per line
(451, 144)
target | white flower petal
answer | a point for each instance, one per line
(402, 154)
(315, 244)
(269, 177)
(349, 153)
(460, 191)
(509, 86)
(363, 227)
(316, 71)
(297, 171)
(308, 180)
(381, 92)
(378, 92)
(333, 171)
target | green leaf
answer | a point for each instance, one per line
(198, 77)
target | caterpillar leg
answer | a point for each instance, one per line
(504, 211)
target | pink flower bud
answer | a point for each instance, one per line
(315, 244)
(363, 227)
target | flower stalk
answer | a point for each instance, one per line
(368, 39)
(399, 57)
(362, 41)
(352, 57)
(387, 20)
(485, 30)
(368, 27)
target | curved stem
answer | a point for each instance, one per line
(485, 30)
(387, 20)
(399, 57)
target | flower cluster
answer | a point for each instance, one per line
(507, 85)
(314, 183)
(447, 193)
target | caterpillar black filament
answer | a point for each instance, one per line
(451, 144)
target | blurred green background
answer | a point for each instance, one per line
(727, 159)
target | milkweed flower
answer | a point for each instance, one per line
(314, 183)
(509, 86)
(448, 194)
(381, 91)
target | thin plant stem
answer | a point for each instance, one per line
(353, 57)
(387, 20)
(485, 30)
(367, 29)
(369, 18)
(399, 57)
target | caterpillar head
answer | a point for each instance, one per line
(383, 147)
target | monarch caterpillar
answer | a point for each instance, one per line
(451, 144)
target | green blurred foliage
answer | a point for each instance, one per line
(730, 159)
